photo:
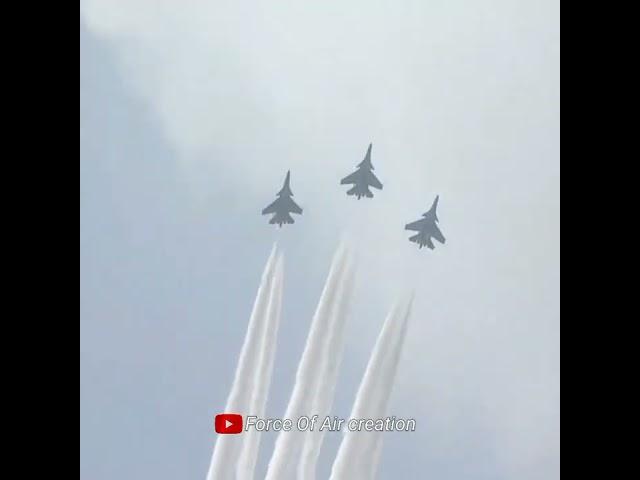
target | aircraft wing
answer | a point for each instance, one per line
(415, 226)
(271, 208)
(293, 207)
(349, 179)
(372, 180)
(436, 233)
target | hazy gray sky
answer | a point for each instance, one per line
(191, 113)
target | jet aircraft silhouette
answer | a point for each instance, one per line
(283, 205)
(427, 228)
(362, 178)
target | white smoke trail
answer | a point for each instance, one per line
(227, 448)
(359, 452)
(328, 375)
(289, 444)
(251, 446)
(383, 403)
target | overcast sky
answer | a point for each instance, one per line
(191, 113)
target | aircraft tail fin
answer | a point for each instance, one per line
(281, 219)
(360, 192)
(416, 239)
(422, 240)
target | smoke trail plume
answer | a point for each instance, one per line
(227, 449)
(251, 445)
(306, 388)
(359, 452)
(382, 402)
(328, 375)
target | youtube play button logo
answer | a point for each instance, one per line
(228, 423)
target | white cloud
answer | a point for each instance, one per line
(460, 98)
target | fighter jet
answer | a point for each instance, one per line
(362, 178)
(427, 228)
(283, 205)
